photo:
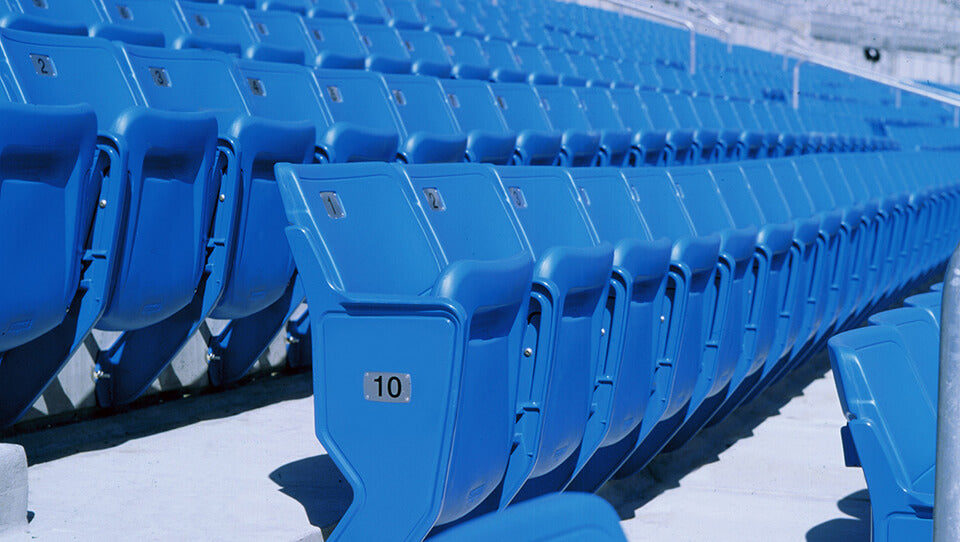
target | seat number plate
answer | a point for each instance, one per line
(387, 387)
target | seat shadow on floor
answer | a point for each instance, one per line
(850, 529)
(667, 469)
(317, 484)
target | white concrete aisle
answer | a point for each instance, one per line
(245, 465)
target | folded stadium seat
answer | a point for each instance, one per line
(493, 28)
(732, 142)
(469, 211)
(624, 367)
(161, 180)
(892, 428)
(684, 144)
(489, 139)
(920, 331)
(286, 30)
(555, 517)
(367, 11)
(602, 112)
(365, 121)
(260, 293)
(228, 29)
(699, 264)
(567, 113)
(763, 290)
(404, 15)
(429, 129)
(338, 43)
(587, 67)
(466, 23)
(56, 292)
(533, 60)
(928, 301)
(76, 17)
(610, 70)
(708, 145)
(309, 8)
(560, 64)
(438, 20)
(451, 326)
(672, 305)
(755, 141)
(429, 54)
(386, 52)
(917, 206)
(649, 146)
(469, 60)
(505, 66)
(862, 175)
(537, 142)
(526, 114)
(559, 40)
(755, 120)
(144, 16)
(842, 274)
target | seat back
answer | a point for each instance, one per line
(879, 383)
(521, 107)
(47, 202)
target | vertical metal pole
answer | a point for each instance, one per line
(796, 84)
(956, 117)
(946, 509)
(693, 50)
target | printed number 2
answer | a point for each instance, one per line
(44, 65)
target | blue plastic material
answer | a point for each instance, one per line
(161, 181)
(430, 56)
(430, 130)
(365, 126)
(453, 326)
(892, 422)
(570, 287)
(537, 141)
(478, 114)
(337, 42)
(46, 209)
(385, 50)
(258, 290)
(565, 517)
(147, 16)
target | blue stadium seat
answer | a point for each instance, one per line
(309, 8)
(228, 29)
(77, 17)
(364, 122)
(449, 326)
(891, 428)
(57, 288)
(527, 112)
(161, 184)
(430, 56)
(430, 130)
(403, 14)
(478, 114)
(705, 279)
(146, 16)
(259, 294)
(537, 142)
(556, 517)
(624, 365)
(468, 310)
(338, 43)
(506, 65)
(366, 11)
(385, 50)
(467, 208)
(920, 332)
(567, 113)
(641, 145)
(469, 61)
(285, 31)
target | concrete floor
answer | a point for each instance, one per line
(244, 465)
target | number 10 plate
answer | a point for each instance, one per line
(387, 387)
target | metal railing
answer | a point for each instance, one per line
(676, 20)
(804, 55)
(946, 497)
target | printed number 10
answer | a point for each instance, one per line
(394, 386)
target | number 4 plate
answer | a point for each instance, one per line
(387, 387)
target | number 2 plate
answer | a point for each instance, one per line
(387, 387)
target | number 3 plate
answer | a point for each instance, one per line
(387, 387)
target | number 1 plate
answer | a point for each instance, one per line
(387, 387)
